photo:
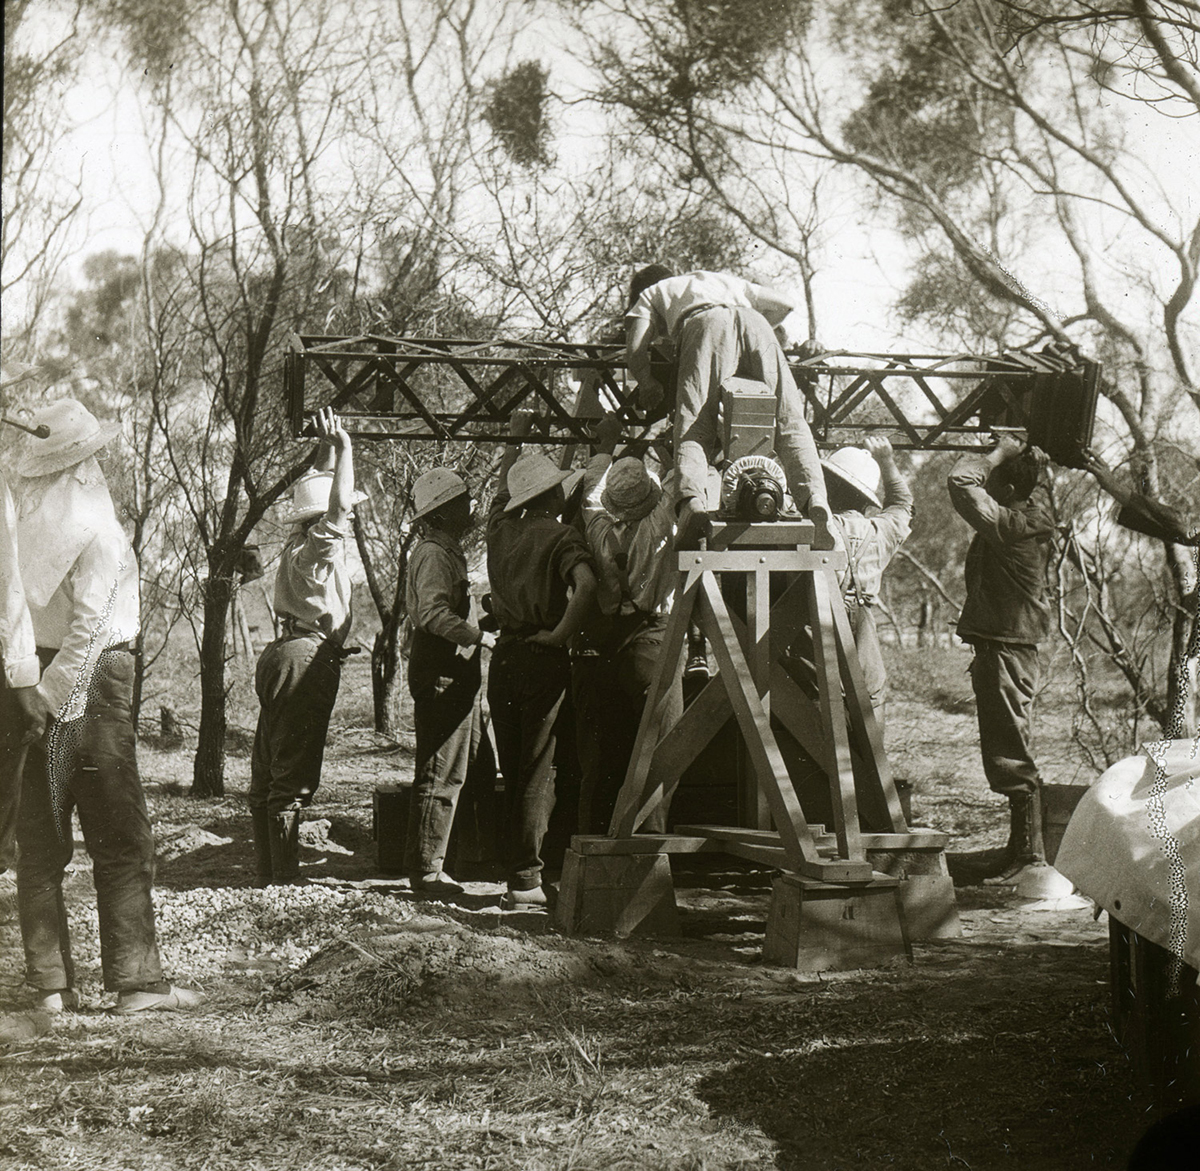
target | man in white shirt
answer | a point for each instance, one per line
(81, 584)
(299, 673)
(722, 326)
(24, 712)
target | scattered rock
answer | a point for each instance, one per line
(16, 1027)
(315, 836)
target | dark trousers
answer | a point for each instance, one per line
(89, 765)
(297, 683)
(12, 728)
(449, 724)
(526, 689)
(1004, 676)
(609, 693)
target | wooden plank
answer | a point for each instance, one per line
(758, 644)
(877, 773)
(912, 839)
(833, 714)
(702, 719)
(761, 534)
(633, 794)
(801, 717)
(588, 844)
(732, 833)
(755, 724)
(766, 838)
(749, 560)
(773, 856)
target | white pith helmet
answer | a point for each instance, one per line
(856, 469)
(310, 497)
(434, 488)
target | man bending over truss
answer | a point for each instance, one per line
(722, 327)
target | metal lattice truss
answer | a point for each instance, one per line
(453, 390)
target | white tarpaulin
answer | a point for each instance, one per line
(1133, 845)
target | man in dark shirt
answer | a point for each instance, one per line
(542, 581)
(1000, 494)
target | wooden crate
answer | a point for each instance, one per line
(821, 926)
(616, 894)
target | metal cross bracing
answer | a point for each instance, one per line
(450, 389)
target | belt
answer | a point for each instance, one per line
(688, 314)
(48, 652)
(290, 628)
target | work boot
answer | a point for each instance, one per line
(260, 824)
(1028, 846)
(285, 847)
(524, 900)
(978, 866)
(696, 667)
(437, 882)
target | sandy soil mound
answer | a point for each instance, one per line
(436, 964)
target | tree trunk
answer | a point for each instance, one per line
(208, 770)
(386, 678)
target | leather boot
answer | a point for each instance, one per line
(285, 847)
(1028, 845)
(260, 823)
(982, 865)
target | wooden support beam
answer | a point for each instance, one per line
(833, 714)
(631, 801)
(586, 844)
(753, 560)
(702, 719)
(874, 770)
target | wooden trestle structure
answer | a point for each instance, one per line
(845, 897)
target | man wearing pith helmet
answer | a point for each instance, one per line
(443, 673)
(542, 580)
(298, 674)
(872, 530)
(81, 586)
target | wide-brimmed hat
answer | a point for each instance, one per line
(529, 477)
(631, 491)
(434, 488)
(856, 469)
(75, 434)
(310, 497)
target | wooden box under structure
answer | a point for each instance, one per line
(848, 896)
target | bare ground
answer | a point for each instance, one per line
(349, 1025)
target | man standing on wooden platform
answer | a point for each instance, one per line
(722, 327)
